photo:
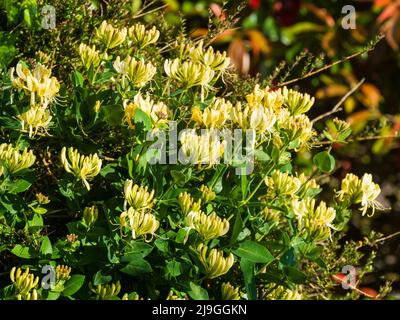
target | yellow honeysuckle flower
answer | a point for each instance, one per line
(81, 166)
(111, 37)
(90, 215)
(214, 262)
(297, 102)
(229, 292)
(136, 71)
(306, 184)
(142, 37)
(24, 283)
(42, 57)
(283, 293)
(89, 56)
(63, 272)
(37, 83)
(297, 127)
(363, 191)
(267, 98)
(260, 119)
(36, 119)
(213, 116)
(217, 61)
(158, 112)
(201, 149)
(187, 203)
(139, 222)
(189, 74)
(207, 194)
(314, 221)
(106, 291)
(208, 226)
(15, 161)
(138, 197)
(282, 184)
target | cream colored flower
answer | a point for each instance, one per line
(267, 98)
(83, 167)
(314, 221)
(282, 184)
(158, 112)
(201, 149)
(89, 56)
(208, 226)
(139, 222)
(111, 37)
(187, 203)
(214, 262)
(106, 291)
(136, 71)
(229, 292)
(363, 191)
(138, 197)
(296, 102)
(217, 61)
(36, 119)
(207, 194)
(189, 74)
(213, 116)
(142, 37)
(15, 161)
(25, 284)
(38, 83)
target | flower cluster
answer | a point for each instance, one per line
(13, 160)
(83, 167)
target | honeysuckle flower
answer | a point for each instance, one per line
(296, 102)
(314, 221)
(83, 167)
(207, 194)
(267, 98)
(89, 56)
(360, 191)
(140, 223)
(282, 184)
(297, 128)
(187, 203)
(217, 61)
(106, 291)
(213, 116)
(138, 197)
(260, 119)
(111, 37)
(36, 119)
(306, 185)
(283, 293)
(205, 148)
(136, 71)
(142, 37)
(24, 283)
(189, 74)
(337, 130)
(42, 57)
(208, 226)
(38, 83)
(15, 161)
(90, 215)
(158, 112)
(229, 292)
(63, 272)
(214, 262)
(270, 215)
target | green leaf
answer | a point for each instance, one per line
(294, 275)
(237, 227)
(45, 248)
(99, 278)
(142, 118)
(138, 248)
(249, 280)
(324, 161)
(77, 79)
(174, 268)
(254, 252)
(23, 252)
(261, 155)
(73, 284)
(136, 267)
(197, 293)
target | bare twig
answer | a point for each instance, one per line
(337, 107)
